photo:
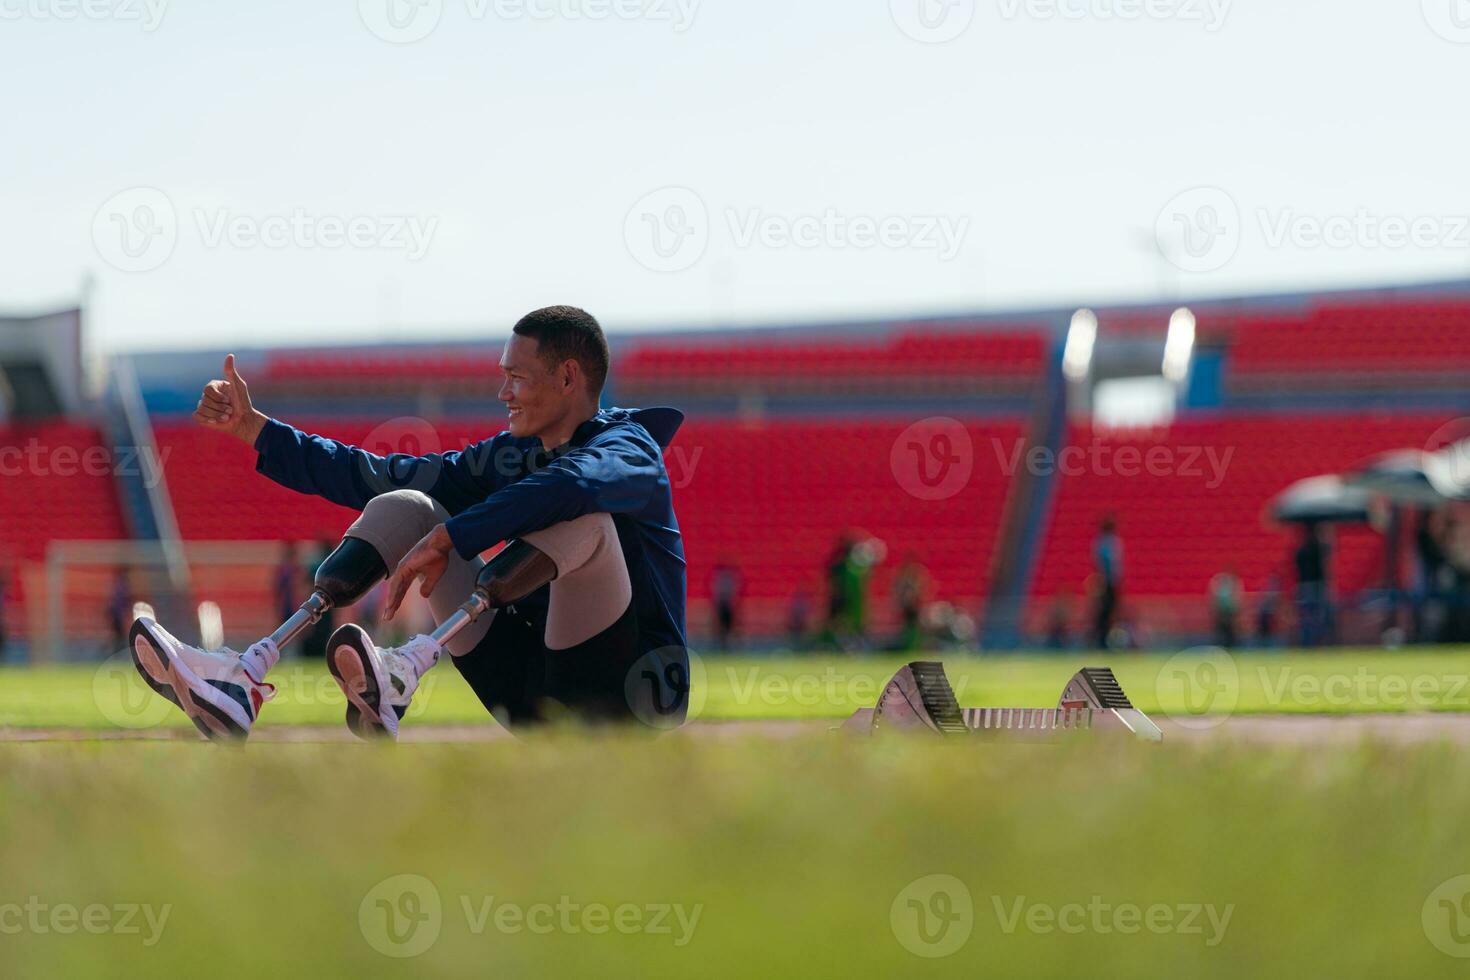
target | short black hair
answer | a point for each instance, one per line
(567, 333)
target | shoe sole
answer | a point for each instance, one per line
(354, 668)
(217, 716)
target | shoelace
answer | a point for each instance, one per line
(268, 691)
(421, 649)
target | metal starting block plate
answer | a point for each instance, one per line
(920, 699)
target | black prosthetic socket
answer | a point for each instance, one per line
(517, 571)
(350, 572)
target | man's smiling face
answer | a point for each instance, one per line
(536, 396)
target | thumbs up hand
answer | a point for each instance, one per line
(225, 406)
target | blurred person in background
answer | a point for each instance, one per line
(289, 583)
(837, 592)
(1058, 620)
(911, 590)
(1266, 610)
(1107, 556)
(4, 584)
(120, 609)
(1225, 605)
(1429, 568)
(1456, 578)
(1311, 586)
(726, 583)
(798, 613)
(866, 553)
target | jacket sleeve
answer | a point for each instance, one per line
(619, 471)
(351, 477)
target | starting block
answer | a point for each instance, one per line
(920, 699)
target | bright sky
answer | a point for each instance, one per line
(277, 171)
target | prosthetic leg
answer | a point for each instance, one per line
(517, 571)
(380, 683)
(222, 691)
(348, 574)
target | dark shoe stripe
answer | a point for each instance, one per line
(234, 730)
(235, 693)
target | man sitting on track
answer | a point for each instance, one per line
(587, 619)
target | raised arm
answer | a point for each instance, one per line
(341, 473)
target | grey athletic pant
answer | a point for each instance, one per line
(591, 590)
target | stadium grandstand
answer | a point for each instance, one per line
(1183, 423)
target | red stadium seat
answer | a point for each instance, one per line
(1178, 530)
(56, 483)
(1372, 338)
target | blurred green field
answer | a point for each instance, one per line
(786, 686)
(793, 857)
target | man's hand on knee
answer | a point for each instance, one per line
(428, 560)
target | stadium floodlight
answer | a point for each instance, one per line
(1179, 347)
(1081, 336)
(211, 626)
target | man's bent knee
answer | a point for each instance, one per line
(395, 522)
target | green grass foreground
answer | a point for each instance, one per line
(768, 858)
(787, 687)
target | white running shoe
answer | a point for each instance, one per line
(379, 683)
(213, 689)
